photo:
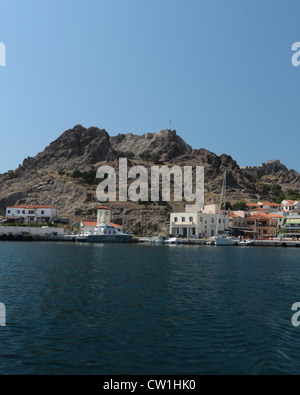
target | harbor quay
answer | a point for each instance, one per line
(259, 224)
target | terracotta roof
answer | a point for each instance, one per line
(270, 204)
(292, 202)
(253, 205)
(276, 216)
(89, 223)
(103, 208)
(94, 223)
(260, 216)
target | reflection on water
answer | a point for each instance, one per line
(129, 309)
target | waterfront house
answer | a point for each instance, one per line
(280, 220)
(238, 224)
(292, 225)
(262, 225)
(201, 224)
(31, 213)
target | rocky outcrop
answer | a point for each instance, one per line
(166, 143)
(274, 172)
(77, 148)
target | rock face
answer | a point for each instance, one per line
(47, 178)
(76, 148)
(166, 143)
(274, 172)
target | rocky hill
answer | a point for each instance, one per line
(48, 177)
(274, 172)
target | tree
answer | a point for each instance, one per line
(125, 154)
(145, 155)
(155, 157)
(228, 206)
(240, 206)
(76, 174)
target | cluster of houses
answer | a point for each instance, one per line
(263, 220)
(260, 220)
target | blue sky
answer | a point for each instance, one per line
(220, 70)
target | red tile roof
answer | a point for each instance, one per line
(89, 223)
(291, 202)
(94, 223)
(276, 216)
(260, 216)
(270, 204)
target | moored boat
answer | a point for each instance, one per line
(103, 231)
(224, 239)
(245, 243)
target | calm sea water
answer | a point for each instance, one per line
(129, 309)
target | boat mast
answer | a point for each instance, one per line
(223, 194)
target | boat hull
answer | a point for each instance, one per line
(225, 242)
(104, 239)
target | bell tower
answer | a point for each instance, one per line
(103, 216)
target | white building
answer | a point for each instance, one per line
(200, 224)
(290, 205)
(32, 213)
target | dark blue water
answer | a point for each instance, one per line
(130, 309)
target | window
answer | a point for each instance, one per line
(23, 211)
(201, 219)
(176, 219)
(212, 220)
(42, 212)
(191, 219)
(8, 211)
(18, 211)
(183, 219)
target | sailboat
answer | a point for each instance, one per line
(225, 239)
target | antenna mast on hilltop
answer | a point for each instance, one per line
(170, 123)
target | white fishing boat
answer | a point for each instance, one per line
(103, 231)
(224, 239)
(245, 243)
(173, 241)
(158, 240)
